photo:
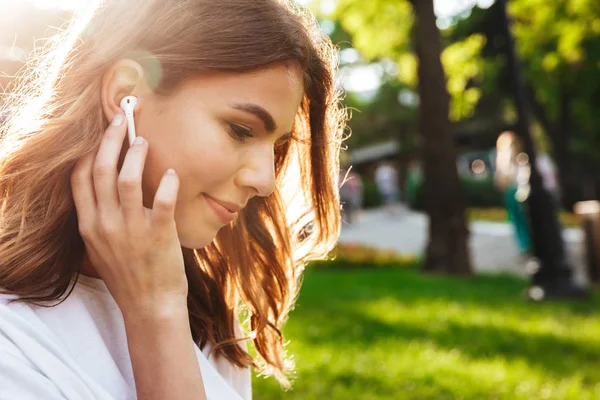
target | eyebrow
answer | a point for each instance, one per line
(258, 111)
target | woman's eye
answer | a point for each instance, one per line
(238, 132)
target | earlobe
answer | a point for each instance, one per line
(124, 78)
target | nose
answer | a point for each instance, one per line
(258, 171)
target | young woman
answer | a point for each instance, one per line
(511, 173)
(125, 271)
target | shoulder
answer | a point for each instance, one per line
(18, 324)
(20, 377)
(35, 361)
(13, 313)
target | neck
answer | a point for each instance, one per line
(88, 269)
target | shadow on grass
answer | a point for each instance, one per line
(330, 300)
(351, 385)
(559, 357)
(408, 285)
(323, 383)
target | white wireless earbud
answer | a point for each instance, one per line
(128, 105)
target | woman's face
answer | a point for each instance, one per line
(219, 132)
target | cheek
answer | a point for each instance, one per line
(205, 159)
(208, 169)
(211, 158)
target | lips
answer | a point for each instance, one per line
(231, 207)
(225, 211)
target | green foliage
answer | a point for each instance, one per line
(567, 219)
(463, 66)
(478, 193)
(481, 193)
(382, 118)
(554, 31)
(558, 40)
(356, 255)
(558, 46)
(381, 29)
(397, 334)
(371, 196)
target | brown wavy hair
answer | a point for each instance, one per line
(255, 264)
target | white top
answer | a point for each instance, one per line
(547, 170)
(78, 350)
(386, 178)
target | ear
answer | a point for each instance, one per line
(123, 78)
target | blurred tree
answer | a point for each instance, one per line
(383, 30)
(558, 43)
(382, 117)
(406, 33)
(554, 277)
(387, 112)
(447, 250)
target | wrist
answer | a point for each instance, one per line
(165, 310)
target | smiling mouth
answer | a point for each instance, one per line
(224, 211)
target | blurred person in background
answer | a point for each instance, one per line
(386, 179)
(124, 269)
(511, 178)
(547, 169)
(351, 195)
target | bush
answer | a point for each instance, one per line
(371, 196)
(495, 214)
(355, 255)
(478, 193)
(482, 193)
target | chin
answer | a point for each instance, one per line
(197, 241)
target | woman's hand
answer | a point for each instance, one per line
(135, 250)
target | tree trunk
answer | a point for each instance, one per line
(568, 180)
(559, 135)
(447, 250)
(554, 277)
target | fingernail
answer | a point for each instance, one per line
(171, 171)
(117, 120)
(138, 140)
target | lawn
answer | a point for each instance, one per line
(567, 219)
(393, 333)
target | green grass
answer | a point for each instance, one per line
(491, 214)
(397, 334)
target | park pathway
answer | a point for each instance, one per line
(492, 245)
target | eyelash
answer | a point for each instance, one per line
(238, 132)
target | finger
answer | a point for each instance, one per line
(163, 210)
(105, 166)
(130, 182)
(82, 187)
